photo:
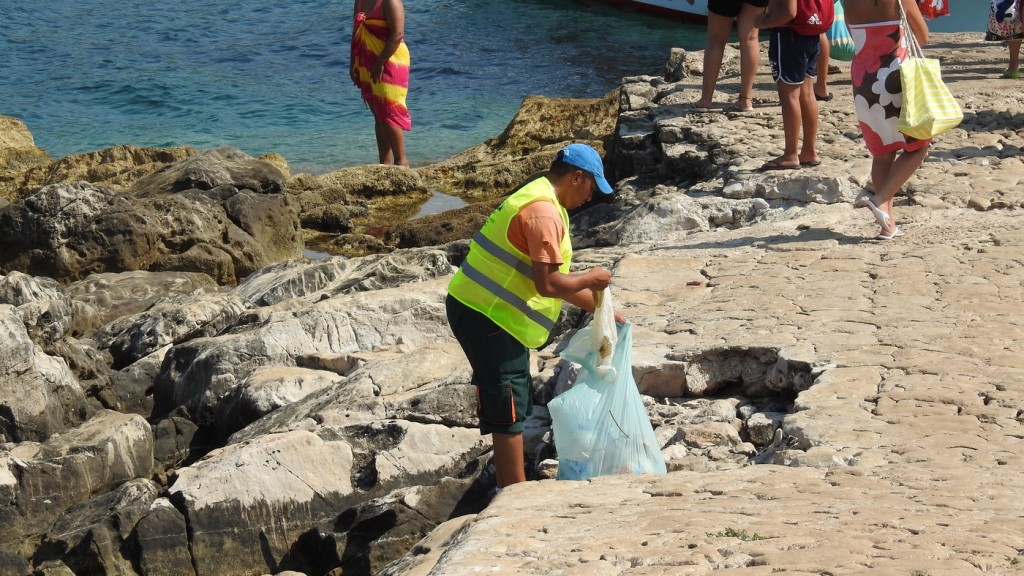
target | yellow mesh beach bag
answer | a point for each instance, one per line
(929, 108)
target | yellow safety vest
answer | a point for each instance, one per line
(496, 278)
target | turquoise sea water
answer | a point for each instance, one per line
(272, 76)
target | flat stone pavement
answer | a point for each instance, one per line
(913, 432)
(915, 465)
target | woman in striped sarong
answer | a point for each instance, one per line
(379, 66)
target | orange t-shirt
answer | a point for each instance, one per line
(537, 231)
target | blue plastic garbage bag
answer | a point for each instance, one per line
(600, 425)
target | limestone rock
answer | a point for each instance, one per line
(365, 200)
(675, 66)
(39, 395)
(280, 481)
(541, 127)
(15, 134)
(169, 321)
(69, 231)
(319, 279)
(47, 314)
(18, 153)
(172, 443)
(11, 563)
(200, 372)
(117, 167)
(44, 307)
(93, 536)
(162, 540)
(102, 298)
(388, 526)
(130, 390)
(267, 389)
(212, 169)
(42, 481)
(430, 384)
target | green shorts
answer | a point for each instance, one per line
(501, 369)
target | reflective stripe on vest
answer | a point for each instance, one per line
(496, 278)
(500, 253)
(507, 295)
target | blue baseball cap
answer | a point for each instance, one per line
(586, 158)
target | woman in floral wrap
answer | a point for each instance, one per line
(878, 98)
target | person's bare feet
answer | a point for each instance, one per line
(702, 105)
(781, 163)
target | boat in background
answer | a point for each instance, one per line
(690, 10)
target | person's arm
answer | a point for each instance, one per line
(394, 13)
(553, 284)
(351, 60)
(916, 21)
(576, 289)
(777, 13)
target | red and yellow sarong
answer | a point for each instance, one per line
(385, 98)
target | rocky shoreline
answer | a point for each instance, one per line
(183, 393)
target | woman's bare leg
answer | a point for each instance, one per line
(383, 146)
(750, 54)
(390, 144)
(719, 28)
(889, 173)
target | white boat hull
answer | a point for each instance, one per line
(694, 10)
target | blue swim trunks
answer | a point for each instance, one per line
(793, 56)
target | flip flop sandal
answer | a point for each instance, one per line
(881, 217)
(826, 98)
(896, 234)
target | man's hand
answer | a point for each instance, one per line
(598, 278)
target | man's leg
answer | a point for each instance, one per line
(496, 356)
(808, 123)
(508, 458)
(821, 83)
(789, 98)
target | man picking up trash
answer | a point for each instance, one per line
(506, 296)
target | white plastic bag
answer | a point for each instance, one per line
(599, 336)
(601, 425)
